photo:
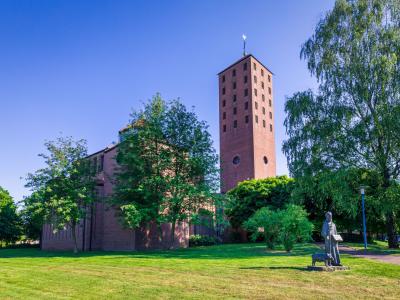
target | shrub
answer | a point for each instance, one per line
(201, 240)
(264, 222)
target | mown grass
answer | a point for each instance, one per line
(375, 247)
(226, 271)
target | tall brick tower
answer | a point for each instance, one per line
(247, 143)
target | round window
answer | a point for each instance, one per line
(265, 160)
(236, 160)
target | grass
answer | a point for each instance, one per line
(226, 271)
(375, 247)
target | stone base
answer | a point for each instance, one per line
(327, 269)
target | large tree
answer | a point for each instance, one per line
(167, 166)
(353, 121)
(10, 229)
(63, 189)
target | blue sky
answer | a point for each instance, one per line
(80, 67)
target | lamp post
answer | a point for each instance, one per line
(362, 190)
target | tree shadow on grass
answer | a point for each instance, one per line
(226, 251)
(276, 268)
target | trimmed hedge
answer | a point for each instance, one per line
(201, 240)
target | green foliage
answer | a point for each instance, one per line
(10, 226)
(295, 227)
(167, 166)
(64, 188)
(201, 240)
(353, 120)
(33, 216)
(265, 222)
(287, 226)
(251, 195)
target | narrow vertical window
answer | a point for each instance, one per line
(245, 66)
(255, 92)
(246, 105)
(234, 98)
(235, 124)
(269, 78)
(270, 102)
(234, 72)
(246, 119)
(234, 110)
(270, 115)
(254, 66)
(262, 72)
(256, 119)
(270, 127)
(264, 123)
(255, 79)
(223, 103)
(262, 84)
(223, 91)
(234, 85)
(269, 91)
(223, 78)
(224, 128)
(263, 97)
(245, 79)
(263, 110)
(246, 92)
(256, 105)
(223, 115)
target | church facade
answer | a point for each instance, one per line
(247, 151)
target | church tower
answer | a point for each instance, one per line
(247, 143)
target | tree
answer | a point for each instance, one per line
(33, 216)
(295, 227)
(167, 166)
(250, 195)
(353, 120)
(10, 230)
(64, 189)
(267, 223)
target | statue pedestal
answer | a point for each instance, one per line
(327, 269)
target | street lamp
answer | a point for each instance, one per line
(362, 190)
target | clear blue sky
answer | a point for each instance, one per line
(79, 67)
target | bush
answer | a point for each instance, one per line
(287, 226)
(201, 240)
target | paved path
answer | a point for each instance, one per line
(381, 256)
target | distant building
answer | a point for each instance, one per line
(247, 144)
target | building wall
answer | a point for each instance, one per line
(253, 140)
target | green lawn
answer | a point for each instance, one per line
(229, 271)
(376, 246)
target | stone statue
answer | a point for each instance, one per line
(332, 239)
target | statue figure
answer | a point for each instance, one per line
(332, 239)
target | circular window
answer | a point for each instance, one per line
(236, 160)
(265, 160)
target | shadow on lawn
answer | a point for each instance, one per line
(276, 268)
(227, 251)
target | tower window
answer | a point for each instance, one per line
(263, 97)
(263, 110)
(224, 128)
(269, 78)
(223, 78)
(223, 103)
(262, 72)
(255, 79)
(265, 159)
(254, 66)
(255, 92)
(234, 85)
(246, 92)
(264, 123)
(234, 98)
(223, 91)
(269, 91)
(236, 160)
(246, 105)
(270, 127)
(245, 79)
(246, 119)
(256, 119)
(235, 124)
(256, 105)
(234, 72)
(235, 110)
(262, 84)
(270, 115)
(245, 66)
(270, 102)
(223, 115)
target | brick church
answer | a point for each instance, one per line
(247, 151)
